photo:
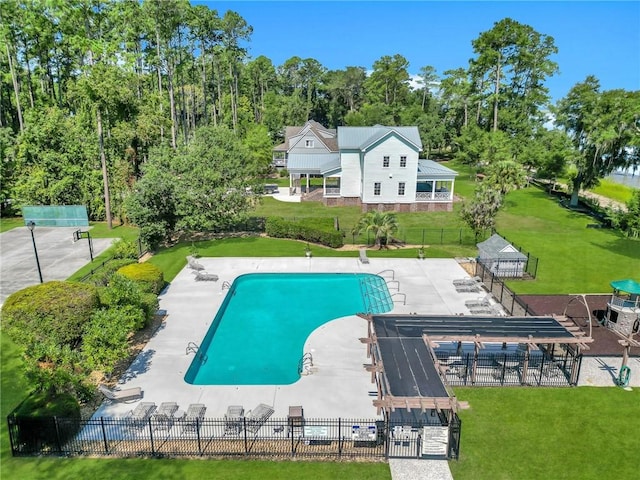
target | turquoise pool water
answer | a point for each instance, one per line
(258, 334)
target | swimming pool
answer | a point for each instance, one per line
(258, 335)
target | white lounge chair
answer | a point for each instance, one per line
(233, 420)
(127, 395)
(140, 415)
(164, 417)
(194, 417)
(363, 255)
(193, 264)
(257, 417)
(479, 302)
(206, 277)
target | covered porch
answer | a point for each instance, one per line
(306, 170)
(434, 182)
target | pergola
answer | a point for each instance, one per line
(407, 371)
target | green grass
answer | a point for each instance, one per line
(573, 258)
(534, 433)
(10, 223)
(613, 190)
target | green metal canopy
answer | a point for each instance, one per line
(628, 285)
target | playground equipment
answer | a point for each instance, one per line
(623, 310)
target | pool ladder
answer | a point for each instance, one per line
(226, 285)
(193, 347)
(305, 364)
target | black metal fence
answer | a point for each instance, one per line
(321, 439)
(544, 368)
(511, 302)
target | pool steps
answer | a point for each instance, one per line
(194, 348)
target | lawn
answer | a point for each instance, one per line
(613, 190)
(556, 433)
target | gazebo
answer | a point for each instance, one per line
(623, 310)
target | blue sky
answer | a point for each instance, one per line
(593, 38)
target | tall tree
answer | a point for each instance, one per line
(513, 60)
(604, 128)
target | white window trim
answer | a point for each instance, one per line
(377, 185)
(308, 143)
(403, 157)
(386, 160)
(402, 185)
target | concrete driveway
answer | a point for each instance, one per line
(59, 256)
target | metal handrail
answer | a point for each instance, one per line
(393, 273)
(404, 301)
(225, 284)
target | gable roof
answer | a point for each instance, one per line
(326, 136)
(497, 247)
(362, 138)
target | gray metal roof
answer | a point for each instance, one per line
(431, 169)
(312, 163)
(360, 138)
(497, 247)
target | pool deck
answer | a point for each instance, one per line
(338, 386)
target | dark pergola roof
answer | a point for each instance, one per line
(485, 329)
(403, 356)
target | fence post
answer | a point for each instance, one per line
(104, 435)
(58, 442)
(198, 435)
(441, 235)
(246, 447)
(153, 450)
(339, 437)
(423, 238)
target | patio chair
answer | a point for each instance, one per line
(466, 281)
(233, 420)
(194, 417)
(469, 287)
(363, 255)
(165, 416)
(193, 264)
(139, 416)
(257, 417)
(206, 277)
(479, 302)
(125, 396)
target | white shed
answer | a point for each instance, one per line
(501, 258)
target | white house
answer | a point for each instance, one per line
(374, 167)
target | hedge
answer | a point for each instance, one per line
(278, 227)
(52, 312)
(147, 275)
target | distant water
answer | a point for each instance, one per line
(626, 177)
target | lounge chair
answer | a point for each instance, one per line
(204, 276)
(470, 287)
(257, 417)
(127, 395)
(466, 281)
(193, 264)
(164, 417)
(363, 255)
(479, 302)
(233, 420)
(140, 415)
(194, 417)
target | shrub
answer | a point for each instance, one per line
(106, 335)
(51, 313)
(147, 275)
(279, 228)
(123, 291)
(102, 276)
(125, 249)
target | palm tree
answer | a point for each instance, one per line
(506, 175)
(381, 225)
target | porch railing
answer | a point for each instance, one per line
(436, 197)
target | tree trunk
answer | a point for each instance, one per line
(159, 70)
(577, 183)
(496, 92)
(105, 173)
(16, 87)
(172, 104)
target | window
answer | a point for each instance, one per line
(308, 143)
(376, 188)
(403, 161)
(401, 188)
(385, 161)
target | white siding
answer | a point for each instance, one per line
(297, 144)
(351, 178)
(390, 176)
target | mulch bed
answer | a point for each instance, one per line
(605, 341)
